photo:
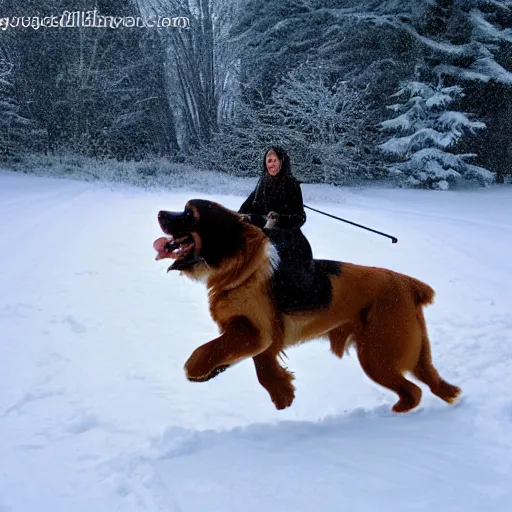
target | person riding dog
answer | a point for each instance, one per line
(277, 203)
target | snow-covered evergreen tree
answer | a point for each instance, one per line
(424, 132)
(469, 43)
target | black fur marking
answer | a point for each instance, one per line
(332, 268)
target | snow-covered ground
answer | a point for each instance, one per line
(96, 413)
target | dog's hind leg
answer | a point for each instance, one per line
(425, 371)
(239, 341)
(390, 377)
(339, 337)
(275, 379)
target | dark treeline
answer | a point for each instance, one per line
(416, 91)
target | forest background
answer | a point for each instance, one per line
(417, 93)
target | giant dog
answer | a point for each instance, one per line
(264, 304)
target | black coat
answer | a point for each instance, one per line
(280, 194)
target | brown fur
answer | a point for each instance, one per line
(377, 310)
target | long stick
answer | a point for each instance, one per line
(394, 240)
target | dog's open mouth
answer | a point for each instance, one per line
(180, 247)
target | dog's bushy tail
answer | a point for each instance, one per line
(423, 294)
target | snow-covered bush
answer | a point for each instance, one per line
(321, 121)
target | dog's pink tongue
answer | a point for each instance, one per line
(159, 246)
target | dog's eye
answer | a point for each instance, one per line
(189, 216)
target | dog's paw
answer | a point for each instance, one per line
(198, 367)
(283, 397)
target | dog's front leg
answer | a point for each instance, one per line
(239, 341)
(275, 379)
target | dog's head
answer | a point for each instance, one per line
(203, 233)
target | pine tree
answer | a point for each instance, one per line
(469, 43)
(425, 130)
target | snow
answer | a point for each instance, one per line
(487, 30)
(95, 411)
